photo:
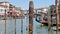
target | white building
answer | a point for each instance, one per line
(9, 8)
(2, 11)
(4, 6)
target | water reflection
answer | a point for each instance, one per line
(1, 26)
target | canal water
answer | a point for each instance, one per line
(37, 29)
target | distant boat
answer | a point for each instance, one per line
(38, 19)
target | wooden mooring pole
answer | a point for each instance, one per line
(49, 20)
(27, 24)
(5, 17)
(15, 25)
(57, 16)
(31, 15)
(22, 22)
(14, 21)
(5, 22)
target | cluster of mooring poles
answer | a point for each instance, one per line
(31, 16)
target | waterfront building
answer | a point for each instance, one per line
(4, 6)
(9, 8)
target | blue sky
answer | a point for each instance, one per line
(24, 4)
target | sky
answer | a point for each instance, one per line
(24, 4)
